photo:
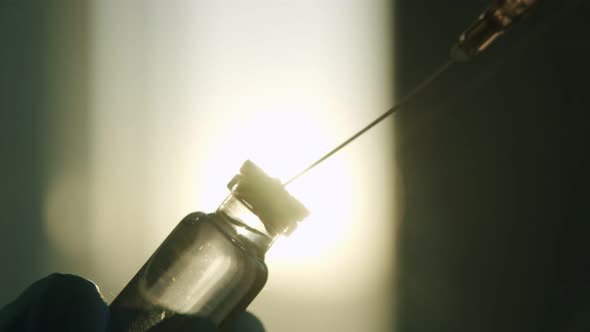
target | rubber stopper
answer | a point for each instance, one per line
(268, 199)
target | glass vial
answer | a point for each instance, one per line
(211, 265)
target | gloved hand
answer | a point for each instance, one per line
(70, 303)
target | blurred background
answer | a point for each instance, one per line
(132, 114)
(467, 211)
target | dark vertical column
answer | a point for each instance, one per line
(23, 114)
(494, 161)
(43, 71)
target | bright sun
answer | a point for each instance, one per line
(282, 144)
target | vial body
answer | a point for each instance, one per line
(202, 269)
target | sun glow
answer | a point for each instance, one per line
(282, 142)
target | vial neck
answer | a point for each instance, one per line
(244, 226)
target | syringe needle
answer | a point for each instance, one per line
(396, 107)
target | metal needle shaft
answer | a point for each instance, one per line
(396, 107)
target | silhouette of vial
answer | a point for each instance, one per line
(211, 265)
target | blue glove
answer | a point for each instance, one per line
(70, 303)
